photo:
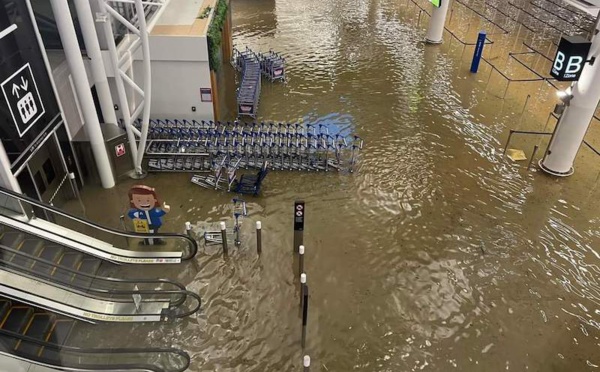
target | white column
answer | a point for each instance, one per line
(437, 23)
(147, 85)
(7, 178)
(575, 120)
(66, 29)
(92, 47)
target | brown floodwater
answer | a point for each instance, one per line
(438, 254)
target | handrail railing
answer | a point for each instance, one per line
(78, 273)
(110, 256)
(181, 295)
(191, 242)
(74, 358)
(172, 312)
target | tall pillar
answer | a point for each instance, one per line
(92, 47)
(575, 120)
(66, 29)
(437, 23)
(7, 178)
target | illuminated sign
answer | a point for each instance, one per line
(570, 58)
(436, 3)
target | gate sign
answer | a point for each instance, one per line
(570, 58)
(23, 99)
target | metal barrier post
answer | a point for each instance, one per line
(224, 238)
(258, 237)
(478, 53)
(76, 191)
(535, 148)
(508, 140)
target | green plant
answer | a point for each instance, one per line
(204, 13)
(214, 35)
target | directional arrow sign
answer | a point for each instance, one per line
(15, 90)
(23, 98)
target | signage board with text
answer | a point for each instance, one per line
(570, 58)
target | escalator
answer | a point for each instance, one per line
(61, 228)
(31, 336)
(53, 276)
(60, 279)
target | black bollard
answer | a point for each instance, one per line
(258, 237)
(224, 238)
(304, 315)
(301, 260)
(299, 213)
(302, 285)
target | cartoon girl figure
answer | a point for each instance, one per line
(145, 209)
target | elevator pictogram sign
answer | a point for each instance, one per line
(23, 99)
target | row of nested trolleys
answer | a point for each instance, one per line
(183, 146)
(252, 66)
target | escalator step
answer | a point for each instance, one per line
(17, 318)
(29, 247)
(50, 253)
(4, 307)
(61, 331)
(88, 266)
(70, 261)
(38, 328)
(58, 335)
(12, 239)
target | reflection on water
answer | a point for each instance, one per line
(438, 253)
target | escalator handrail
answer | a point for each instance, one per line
(87, 222)
(171, 311)
(73, 349)
(99, 292)
(80, 273)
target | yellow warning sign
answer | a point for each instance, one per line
(140, 225)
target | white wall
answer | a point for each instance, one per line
(179, 69)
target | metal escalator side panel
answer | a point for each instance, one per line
(76, 305)
(68, 238)
(157, 255)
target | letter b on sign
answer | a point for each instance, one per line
(574, 65)
(559, 62)
(570, 58)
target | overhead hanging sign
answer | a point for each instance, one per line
(570, 58)
(28, 107)
(23, 99)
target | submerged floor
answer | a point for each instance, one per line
(439, 253)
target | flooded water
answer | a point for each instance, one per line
(437, 254)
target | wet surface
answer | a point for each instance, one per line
(437, 254)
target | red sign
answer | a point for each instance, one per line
(120, 149)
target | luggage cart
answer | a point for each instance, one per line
(239, 212)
